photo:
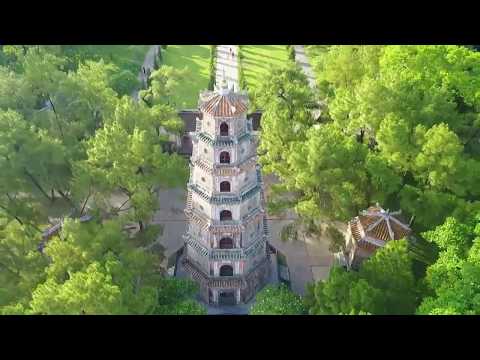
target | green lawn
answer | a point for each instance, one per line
(197, 59)
(126, 57)
(258, 59)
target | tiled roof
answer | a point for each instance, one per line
(224, 104)
(376, 224)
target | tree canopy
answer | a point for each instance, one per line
(277, 300)
(385, 284)
(399, 125)
(66, 133)
(454, 279)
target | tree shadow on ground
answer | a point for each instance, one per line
(196, 58)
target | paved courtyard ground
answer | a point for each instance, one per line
(307, 259)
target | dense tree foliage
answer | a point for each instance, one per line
(176, 298)
(385, 284)
(399, 125)
(69, 143)
(277, 300)
(454, 279)
(21, 264)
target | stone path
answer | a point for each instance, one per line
(302, 60)
(149, 66)
(227, 66)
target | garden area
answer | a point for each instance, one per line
(258, 59)
(196, 58)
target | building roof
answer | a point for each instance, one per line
(377, 226)
(224, 103)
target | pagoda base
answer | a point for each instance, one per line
(232, 290)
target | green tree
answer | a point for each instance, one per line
(89, 258)
(176, 297)
(31, 156)
(277, 300)
(124, 82)
(403, 121)
(135, 165)
(22, 265)
(91, 292)
(165, 83)
(453, 279)
(385, 284)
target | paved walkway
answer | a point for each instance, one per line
(148, 66)
(302, 60)
(227, 66)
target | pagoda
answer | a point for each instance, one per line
(226, 250)
(371, 230)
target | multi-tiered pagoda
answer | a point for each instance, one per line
(226, 248)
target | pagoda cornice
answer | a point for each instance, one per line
(225, 254)
(225, 199)
(213, 282)
(221, 141)
(222, 282)
(217, 226)
(225, 169)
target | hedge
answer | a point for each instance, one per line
(213, 63)
(291, 52)
(241, 77)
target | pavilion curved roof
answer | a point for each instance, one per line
(377, 226)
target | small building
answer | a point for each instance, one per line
(370, 230)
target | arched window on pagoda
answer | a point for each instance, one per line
(225, 186)
(224, 129)
(226, 243)
(226, 270)
(224, 157)
(225, 215)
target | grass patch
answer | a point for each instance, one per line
(126, 57)
(196, 58)
(259, 59)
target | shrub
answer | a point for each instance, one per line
(278, 300)
(291, 52)
(289, 232)
(164, 47)
(241, 77)
(337, 240)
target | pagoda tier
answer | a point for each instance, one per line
(226, 241)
